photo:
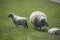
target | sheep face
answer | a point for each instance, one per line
(10, 15)
(44, 22)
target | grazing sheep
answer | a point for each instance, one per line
(55, 31)
(38, 19)
(18, 20)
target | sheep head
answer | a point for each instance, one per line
(11, 15)
(44, 22)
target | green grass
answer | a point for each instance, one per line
(8, 31)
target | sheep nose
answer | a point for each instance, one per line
(47, 25)
(8, 16)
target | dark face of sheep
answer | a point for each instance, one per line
(45, 22)
(10, 15)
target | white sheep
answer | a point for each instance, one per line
(18, 20)
(55, 31)
(38, 19)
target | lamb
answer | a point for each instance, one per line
(18, 20)
(38, 19)
(54, 31)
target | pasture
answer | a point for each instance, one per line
(8, 31)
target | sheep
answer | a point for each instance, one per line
(38, 19)
(55, 31)
(17, 20)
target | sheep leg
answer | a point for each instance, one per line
(40, 28)
(36, 28)
(16, 24)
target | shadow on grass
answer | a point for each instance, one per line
(42, 30)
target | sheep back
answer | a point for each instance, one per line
(19, 20)
(55, 31)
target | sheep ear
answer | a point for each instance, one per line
(11, 13)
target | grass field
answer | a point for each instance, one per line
(8, 31)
